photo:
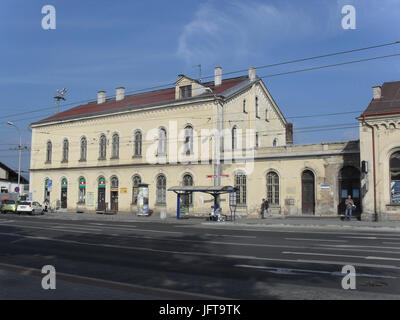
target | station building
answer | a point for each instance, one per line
(94, 156)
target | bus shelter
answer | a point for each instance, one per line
(213, 191)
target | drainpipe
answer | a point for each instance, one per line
(373, 164)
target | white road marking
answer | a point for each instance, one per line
(316, 240)
(371, 238)
(77, 228)
(228, 235)
(301, 271)
(6, 221)
(356, 246)
(265, 229)
(203, 254)
(340, 255)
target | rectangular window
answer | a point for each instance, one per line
(185, 91)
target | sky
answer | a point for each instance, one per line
(102, 45)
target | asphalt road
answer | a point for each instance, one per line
(97, 259)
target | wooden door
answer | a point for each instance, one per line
(308, 192)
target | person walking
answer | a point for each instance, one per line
(266, 206)
(262, 209)
(349, 203)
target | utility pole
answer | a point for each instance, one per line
(59, 96)
(19, 156)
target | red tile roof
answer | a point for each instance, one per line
(136, 100)
(389, 102)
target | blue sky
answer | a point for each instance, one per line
(101, 45)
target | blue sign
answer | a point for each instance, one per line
(50, 183)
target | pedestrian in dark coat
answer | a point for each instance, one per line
(262, 210)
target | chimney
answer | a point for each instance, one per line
(101, 97)
(119, 93)
(377, 92)
(217, 76)
(289, 133)
(252, 73)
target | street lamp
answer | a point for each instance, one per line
(19, 155)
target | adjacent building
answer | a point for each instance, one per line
(380, 152)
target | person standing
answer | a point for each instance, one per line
(349, 203)
(262, 209)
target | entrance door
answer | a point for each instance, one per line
(307, 192)
(64, 198)
(114, 200)
(349, 184)
(101, 199)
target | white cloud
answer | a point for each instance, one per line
(242, 29)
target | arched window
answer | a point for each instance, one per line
(266, 114)
(256, 107)
(102, 147)
(115, 146)
(138, 144)
(83, 149)
(114, 182)
(273, 188)
(136, 180)
(395, 177)
(162, 142)
(234, 138)
(82, 190)
(240, 184)
(49, 151)
(188, 140)
(65, 150)
(188, 181)
(161, 189)
(275, 142)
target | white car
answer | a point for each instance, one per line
(30, 207)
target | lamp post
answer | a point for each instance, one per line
(19, 155)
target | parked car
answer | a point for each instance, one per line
(9, 206)
(30, 207)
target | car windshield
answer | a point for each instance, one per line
(8, 201)
(24, 203)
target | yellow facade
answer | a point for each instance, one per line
(204, 114)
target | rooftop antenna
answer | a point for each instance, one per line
(199, 66)
(59, 96)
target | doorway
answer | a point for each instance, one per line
(64, 198)
(349, 184)
(308, 192)
(64, 193)
(101, 194)
(114, 194)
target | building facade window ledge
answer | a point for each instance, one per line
(82, 160)
(114, 158)
(393, 205)
(64, 161)
(138, 156)
(101, 159)
(163, 205)
(47, 162)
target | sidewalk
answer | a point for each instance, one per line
(284, 221)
